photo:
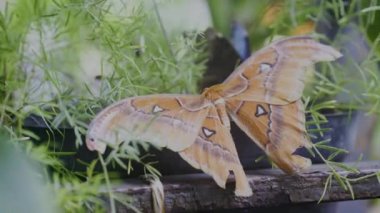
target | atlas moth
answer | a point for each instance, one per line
(262, 96)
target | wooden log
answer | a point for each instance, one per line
(271, 187)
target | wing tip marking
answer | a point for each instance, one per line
(157, 109)
(208, 132)
(260, 111)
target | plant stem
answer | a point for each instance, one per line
(109, 188)
(164, 31)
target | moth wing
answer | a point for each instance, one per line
(277, 129)
(171, 121)
(215, 153)
(276, 73)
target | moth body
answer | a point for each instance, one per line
(262, 96)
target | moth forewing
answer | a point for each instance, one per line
(171, 131)
(171, 121)
(276, 73)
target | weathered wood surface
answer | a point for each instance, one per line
(271, 187)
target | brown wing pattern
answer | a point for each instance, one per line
(278, 130)
(149, 118)
(214, 152)
(276, 74)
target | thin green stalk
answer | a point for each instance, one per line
(164, 31)
(108, 184)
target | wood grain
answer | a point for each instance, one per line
(271, 187)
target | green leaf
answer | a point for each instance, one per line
(339, 179)
(331, 148)
(349, 186)
(327, 184)
(345, 167)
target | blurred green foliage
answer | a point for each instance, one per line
(22, 185)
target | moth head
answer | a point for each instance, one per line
(93, 142)
(100, 133)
